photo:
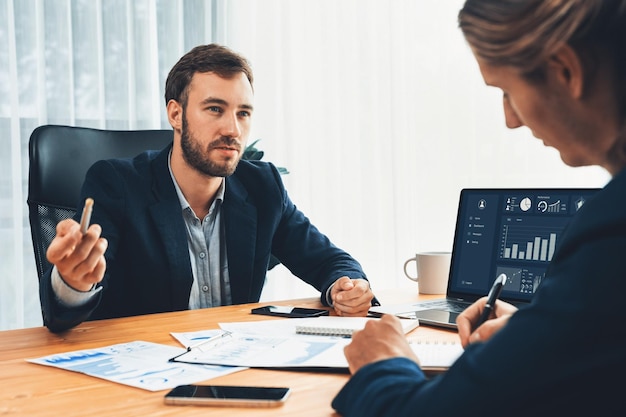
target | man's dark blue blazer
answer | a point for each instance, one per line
(148, 264)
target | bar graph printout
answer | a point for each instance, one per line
(265, 344)
(275, 344)
(139, 364)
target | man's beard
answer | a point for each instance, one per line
(198, 158)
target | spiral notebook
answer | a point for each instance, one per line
(436, 355)
(344, 326)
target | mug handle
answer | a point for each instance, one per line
(405, 271)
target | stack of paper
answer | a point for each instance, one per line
(248, 344)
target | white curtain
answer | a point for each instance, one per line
(93, 63)
(376, 108)
(379, 112)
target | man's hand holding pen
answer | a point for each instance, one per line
(77, 251)
(485, 317)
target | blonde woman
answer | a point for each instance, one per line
(561, 66)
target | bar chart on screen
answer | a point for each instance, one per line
(528, 243)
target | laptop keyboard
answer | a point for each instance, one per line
(453, 306)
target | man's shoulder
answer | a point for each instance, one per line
(140, 171)
(256, 178)
(256, 171)
(138, 163)
(606, 206)
(247, 166)
(139, 159)
(601, 217)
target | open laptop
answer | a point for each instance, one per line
(510, 231)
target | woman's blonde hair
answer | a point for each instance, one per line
(524, 33)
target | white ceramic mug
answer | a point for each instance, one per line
(432, 269)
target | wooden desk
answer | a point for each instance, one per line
(35, 390)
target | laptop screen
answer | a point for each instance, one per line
(511, 231)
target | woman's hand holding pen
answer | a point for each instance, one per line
(79, 257)
(467, 320)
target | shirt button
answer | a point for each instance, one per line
(205, 288)
(202, 255)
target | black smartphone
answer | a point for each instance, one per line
(289, 311)
(227, 395)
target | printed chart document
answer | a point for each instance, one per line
(266, 351)
(276, 344)
(139, 364)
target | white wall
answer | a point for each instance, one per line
(380, 113)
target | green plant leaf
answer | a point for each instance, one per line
(251, 153)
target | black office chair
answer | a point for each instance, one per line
(59, 159)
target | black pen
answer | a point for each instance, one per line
(210, 341)
(494, 293)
